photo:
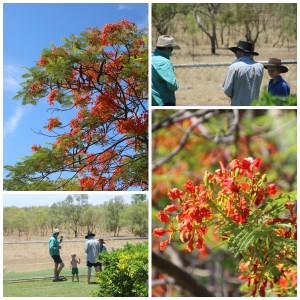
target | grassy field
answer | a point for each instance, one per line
(28, 258)
(46, 287)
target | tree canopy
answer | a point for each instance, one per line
(271, 23)
(100, 77)
(76, 216)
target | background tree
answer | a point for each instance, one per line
(40, 220)
(101, 78)
(8, 219)
(134, 216)
(75, 214)
(260, 23)
(73, 208)
(22, 222)
(136, 198)
(163, 14)
(192, 30)
(209, 12)
(92, 217)
(113, 209)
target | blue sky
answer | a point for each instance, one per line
(28, 28)
(47, 199)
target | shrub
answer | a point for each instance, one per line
(267, 99)
(125, 272)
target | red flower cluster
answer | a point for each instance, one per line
(35, 148)
(227, 197)
(239, 188)
(135, 126)
(52, 123)
(52, 96)
(120, 27)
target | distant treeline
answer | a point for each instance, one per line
(222, 23)
(75, 216)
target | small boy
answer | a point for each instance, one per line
(277, 86)
(102, 248)
(74, 267)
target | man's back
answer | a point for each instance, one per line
(243, 80)
(92, 248)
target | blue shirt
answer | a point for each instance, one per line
(92, 249)
(243, 80)
(164, 83)
(280, 88)
(102, 248)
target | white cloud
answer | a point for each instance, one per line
(12, 77)
(122, 6)
(11, 125)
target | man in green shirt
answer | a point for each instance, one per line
(54, 246)
(164, 83)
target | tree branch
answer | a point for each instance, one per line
(183, 278)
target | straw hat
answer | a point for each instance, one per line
(56, 230)
(167, 41)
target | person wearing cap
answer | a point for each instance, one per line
(164, 82)
(54, 247)
(244, 76)
(102, 249)
(92, 249)
(277, 85)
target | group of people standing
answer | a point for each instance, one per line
(92, 249)
(242, 81)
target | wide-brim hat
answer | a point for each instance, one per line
(276, 62)
(101, 240)
(89, 234)
(167, 41)
(244, 46)
(56, 230)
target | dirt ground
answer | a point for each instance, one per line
(32, 254)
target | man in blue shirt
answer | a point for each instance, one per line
(277, 86)
(164, 82)
(92, 249)
(244, 76)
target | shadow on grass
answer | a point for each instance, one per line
(32, 284)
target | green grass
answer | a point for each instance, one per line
(46, 287)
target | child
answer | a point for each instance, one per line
(102, 248)
(277, 86)
(73, 266)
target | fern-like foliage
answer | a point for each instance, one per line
(267, 243)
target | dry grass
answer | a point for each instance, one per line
(35, 257)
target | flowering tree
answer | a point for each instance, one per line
(101, 77)
(262, 231)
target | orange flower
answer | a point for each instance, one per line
(161, 231)
(162, 217)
